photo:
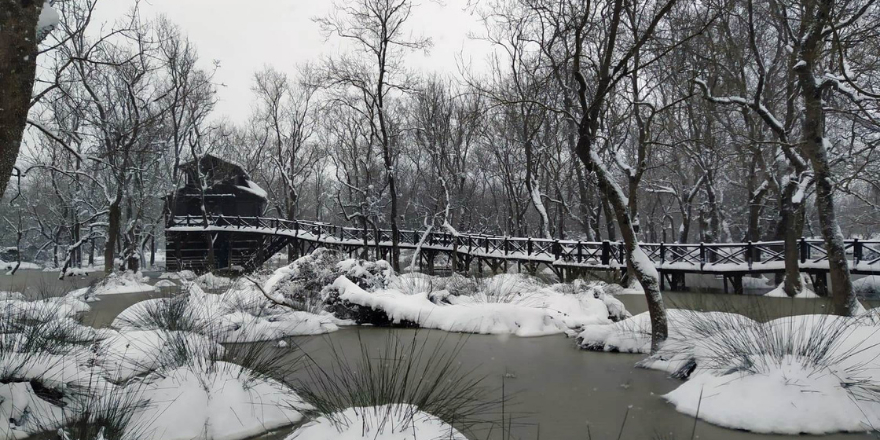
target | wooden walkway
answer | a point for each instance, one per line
(567, 258)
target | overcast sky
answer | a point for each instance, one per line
(245, 35)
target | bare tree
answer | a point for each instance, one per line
(377, 29)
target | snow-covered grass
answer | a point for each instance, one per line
(240, 314)
(217, 401)
(810, 374)
(408, 385)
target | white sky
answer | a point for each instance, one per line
(245, 35)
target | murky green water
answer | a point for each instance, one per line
(558, 392)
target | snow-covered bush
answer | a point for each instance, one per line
(745, 374)
(300, 283)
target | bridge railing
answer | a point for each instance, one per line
(718, 256)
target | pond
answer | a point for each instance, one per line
(557, 391)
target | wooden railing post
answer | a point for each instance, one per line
(749, 254)
(580, 251)
(857, 251)
(805, 250)
(621, 252)
(662, 253)
(702, 254)
(506, 246)
(529, 246)
(606, 253)
(557, 250)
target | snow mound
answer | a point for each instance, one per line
(633, 335)
(537, 313)
(213, 282)
(220, 401)
(388, 422)
(184, 275)
(165, 283)
(241, 314)
(805, 293)
(129, 354)
(8, 266)
(867, 287)
(115, 284)
(811, 374)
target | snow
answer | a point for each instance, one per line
(49, 18)
(812, 374)
(184, 275)
(213, 282)
(165, 283)
(9, 265)
(254, 189)
(241, 314)
(867, 287)
(788, 392)
(220, 401)
(133, 353)
(117, 283)
(805, 292)
(533, 312)
(388, 422)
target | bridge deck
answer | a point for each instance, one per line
(706, 258)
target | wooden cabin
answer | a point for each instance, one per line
(229, 191)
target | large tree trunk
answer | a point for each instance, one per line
(793, 218)
(113, 228)
(18, 65)
(817, 16)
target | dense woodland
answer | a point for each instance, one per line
(634, 120)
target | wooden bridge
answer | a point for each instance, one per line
(257, 239)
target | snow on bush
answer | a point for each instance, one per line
(217, 401)
(811, 374)
(387, 422)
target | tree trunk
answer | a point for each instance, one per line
(113, 227)
(793, 219)
(817, 16)
(18, 65)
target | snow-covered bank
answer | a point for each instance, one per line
(505, 304)
(811, 374)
